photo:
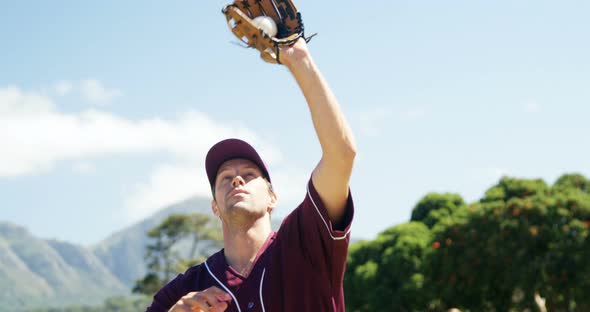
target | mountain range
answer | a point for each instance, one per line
(36, 272)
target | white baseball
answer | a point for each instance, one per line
(267, 24)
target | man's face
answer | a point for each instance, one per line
(241, 191)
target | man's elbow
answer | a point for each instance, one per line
(344, 156)
(349, 155)
(349, 152)
(340, 151)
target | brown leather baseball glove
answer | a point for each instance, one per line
(241, 13)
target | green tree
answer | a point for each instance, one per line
(163, 258)
(386, 274)
(434, 207)
(523, 239)
(566, 266)
(573, 181)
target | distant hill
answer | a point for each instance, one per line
(35, 272)
(123, 252)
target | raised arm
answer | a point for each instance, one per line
(332, 174)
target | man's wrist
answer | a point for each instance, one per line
(299, 63)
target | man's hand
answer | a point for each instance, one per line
(211, 299)
(294, 54)
(241, 14)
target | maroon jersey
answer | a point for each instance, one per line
(299, 268)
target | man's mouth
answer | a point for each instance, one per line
(236, 192)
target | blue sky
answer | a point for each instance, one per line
(108, 108)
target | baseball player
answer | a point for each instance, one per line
(299, 268)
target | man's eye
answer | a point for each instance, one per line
(250, 175)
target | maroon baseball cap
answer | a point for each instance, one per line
(227, 150)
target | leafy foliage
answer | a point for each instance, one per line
(390, 267)
(435, 207)
(523, 239)
(163, 260)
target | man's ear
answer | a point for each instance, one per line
(272, 204)
(214, 208)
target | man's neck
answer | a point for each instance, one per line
(242, 244)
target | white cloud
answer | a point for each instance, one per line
(168, 184)
(63, 87)
(95, 92)
(14, 103)
(35, 136)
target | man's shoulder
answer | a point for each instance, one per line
(192, 276)
(202, 267)
(194, 270)
(311, 213)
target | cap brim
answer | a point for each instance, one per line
(231, 149)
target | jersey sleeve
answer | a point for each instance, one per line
(323, 244)
(181, 285)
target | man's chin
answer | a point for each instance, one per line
(242, 210)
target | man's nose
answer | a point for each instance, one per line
(238, 180)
